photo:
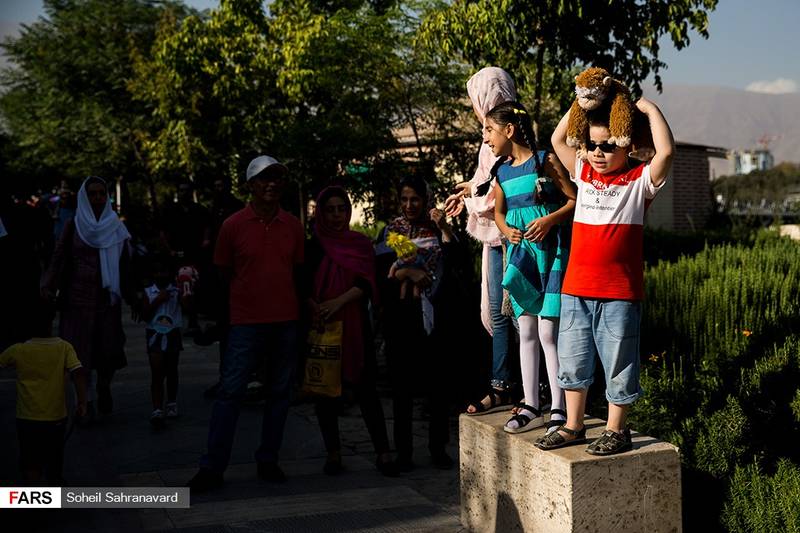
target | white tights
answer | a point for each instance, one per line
(534, 333)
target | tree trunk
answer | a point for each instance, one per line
(413, 123)
(151, 190)
(303, 206)
(537, 103)
(151, 186)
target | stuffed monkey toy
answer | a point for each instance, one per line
(598, 93)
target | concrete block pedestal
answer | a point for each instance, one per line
(508, 484)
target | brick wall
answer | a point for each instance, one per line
(691, 188)
(685, 202)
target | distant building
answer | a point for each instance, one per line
(746, 161)
(685, 202)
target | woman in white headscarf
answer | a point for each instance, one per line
(488, 88)
(87, 275)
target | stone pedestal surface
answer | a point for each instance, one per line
(508, 484)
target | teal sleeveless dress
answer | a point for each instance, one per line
(534, 270)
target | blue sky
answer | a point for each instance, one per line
(752, 45)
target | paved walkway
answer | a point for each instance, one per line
(123, 450)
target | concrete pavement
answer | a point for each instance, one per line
(123, 450)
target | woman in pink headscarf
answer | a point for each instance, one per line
(341, 271)
(488, 88)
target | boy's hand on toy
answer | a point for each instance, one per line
(644, 105)
(514, 235)
(538, 229)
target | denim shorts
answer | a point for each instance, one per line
(609, 329)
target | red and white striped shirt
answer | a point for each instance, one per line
(605, 260)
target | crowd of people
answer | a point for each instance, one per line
(561, 269)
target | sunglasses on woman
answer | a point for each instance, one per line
(605, 146)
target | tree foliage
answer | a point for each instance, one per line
(537, 39)
(774, 185)
(321, 85)
(65, 104)
(358, 91)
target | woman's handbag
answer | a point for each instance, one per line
(323, 368)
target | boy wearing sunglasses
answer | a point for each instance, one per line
(604, 282)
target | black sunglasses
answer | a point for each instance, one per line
(605, 147)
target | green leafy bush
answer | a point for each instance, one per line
(721, 367)
(760, 503)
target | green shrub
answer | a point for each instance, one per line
(721, 367)
(759, 503)
(721, 440)
(725, 303)
(795, 405)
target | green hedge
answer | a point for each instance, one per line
(760, 503)
(721, 371)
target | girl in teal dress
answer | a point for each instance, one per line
(534, 201)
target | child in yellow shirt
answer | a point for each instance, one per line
(41, 364)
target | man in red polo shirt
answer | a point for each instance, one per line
(258, 250)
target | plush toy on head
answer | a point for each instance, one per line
(597, 93)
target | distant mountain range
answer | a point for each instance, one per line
(731, 118)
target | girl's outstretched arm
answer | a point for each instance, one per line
(566, 154)
(662, 139)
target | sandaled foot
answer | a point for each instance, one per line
(561, 437)
(494, 401)
(526, 419)
(558, 418)
(611, 442)
(517, 406)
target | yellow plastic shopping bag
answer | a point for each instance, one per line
(323, 369)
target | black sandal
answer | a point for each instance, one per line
(554, 440)
(498, 400)
(524, 422)
(611, 442)
(556, 423)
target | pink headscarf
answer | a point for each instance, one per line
(488, 88)
(348, 255)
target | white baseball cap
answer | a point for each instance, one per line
(262, 163)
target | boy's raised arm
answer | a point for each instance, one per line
(566, 154)
(662, 139)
